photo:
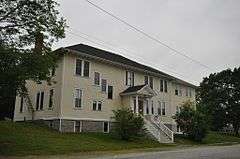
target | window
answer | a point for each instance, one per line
(151, 82)
(86, 69)
(104, 85)
(147, 109)
(129, 78)
(165, 86)
(96, 78)
(163, 108)
(21, 105)
(152, 108)
(42, 100)
(82, 68)
(37, 101)
(78, 126)
(190, 92)
(105, 127)
(78, 67)
(159, 108)
(78, 98)
(110, 92)
(97, 105)
(145, 79)
(50, 103)
(161, 85)
(176, 92)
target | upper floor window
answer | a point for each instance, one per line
(78, 98)
(82, 68)
(161, 85)
(129, 78)
(79, 67)
(152, 108)
(151, 82)
(97, 78)
(50, 103)
(176, 92)
(110, 92)
(104, 85)
(21, 104)
(165, 86)
(145, 79)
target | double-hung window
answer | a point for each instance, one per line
(97, 105)
(21, 104)
(50, 103)
(151, 82)
(159, 108)
(97, 78)
(82, 68)
(161, 85)
(106, 127)
(163, 108)
(152, 108)
(129, 78)
(39, 101)
(146, 80)
(78, 98)
(110, 92)
(104, 85)
(165, 86)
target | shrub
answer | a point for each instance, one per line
(128, 125)
(192, 122)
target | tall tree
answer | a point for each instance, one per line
(219, 98)
(27, 32)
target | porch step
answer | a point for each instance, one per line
(158, 130)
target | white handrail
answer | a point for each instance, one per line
(163, 127)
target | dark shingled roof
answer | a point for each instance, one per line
(111, 56)
(92, 51)
(133, 88)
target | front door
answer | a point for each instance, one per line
(140, 105)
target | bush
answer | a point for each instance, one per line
(192, 122)
(128, 125)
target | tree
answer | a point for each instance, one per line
(27, 32)
(128, 125)
(219, 98)
(191, 122)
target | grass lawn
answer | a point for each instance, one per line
(21, 139)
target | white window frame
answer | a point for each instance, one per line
(74, 126)
(82, 68)
(130, 78)
(107, 128)
(105, 91)
(95, 78)
(81, 97)
(97, 107)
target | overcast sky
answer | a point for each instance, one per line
(206, 30)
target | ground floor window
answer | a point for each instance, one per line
(106, 127)
(77, 126)
(178, 129)
(51, 124)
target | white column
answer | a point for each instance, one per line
(137, 110)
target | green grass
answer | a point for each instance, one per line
(20, 139)
(212, 138)
(31, 139)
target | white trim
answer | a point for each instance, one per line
(74, 124)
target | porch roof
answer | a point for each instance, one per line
(139, 90)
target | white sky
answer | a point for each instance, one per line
(206, 30)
